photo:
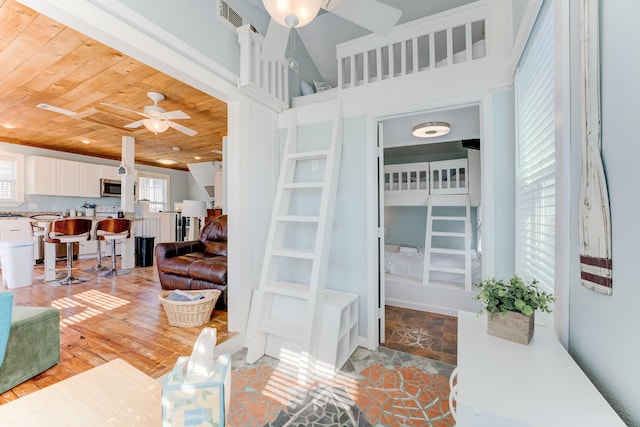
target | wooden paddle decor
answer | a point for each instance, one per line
(595, 219)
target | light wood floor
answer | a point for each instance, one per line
(109, 318)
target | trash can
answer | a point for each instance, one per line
(144, 251)
(17, 263)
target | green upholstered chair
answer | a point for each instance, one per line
(32, 343)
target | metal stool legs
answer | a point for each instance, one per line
(113, 271)
(98, 267)
(70, 279)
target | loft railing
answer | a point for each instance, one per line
(433, 42)
(267, 81)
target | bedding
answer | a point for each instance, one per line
(411, 264)
(325, 95)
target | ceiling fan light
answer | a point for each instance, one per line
(431, 129)
(292, 13)
(156, 125)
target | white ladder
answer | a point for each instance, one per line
(453, 236)
(302, 207)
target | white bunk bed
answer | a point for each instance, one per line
(425, 277)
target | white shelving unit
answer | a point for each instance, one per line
(338, 329)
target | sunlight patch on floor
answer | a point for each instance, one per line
(99, 303)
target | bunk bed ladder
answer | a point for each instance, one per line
(283, 252)
(449, 200)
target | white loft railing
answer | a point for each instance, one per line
(432, 42)
(268, 81)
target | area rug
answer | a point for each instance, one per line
(374, 388)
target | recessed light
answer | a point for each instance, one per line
(175, 148)
(197, 157)
(85, 141)
(8, 126)
(431, 129)
(166, 161)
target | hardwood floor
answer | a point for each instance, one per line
(108, 318)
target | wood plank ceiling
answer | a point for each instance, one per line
(43, 61)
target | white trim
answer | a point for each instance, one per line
(526, 26)
(373, 289)
(20, 179)
(122, 28)
(563, 171)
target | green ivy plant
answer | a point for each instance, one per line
(498, 296)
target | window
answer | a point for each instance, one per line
(535, 155)
(154, 189)
(11, 178)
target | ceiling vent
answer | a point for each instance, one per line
(228, 16)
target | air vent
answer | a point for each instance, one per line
(229, 16)
(211, 190)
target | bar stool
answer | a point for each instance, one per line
(69, 231)
(113, 229)
(38, 226)
(98, 267)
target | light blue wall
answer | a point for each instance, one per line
(603, 330)
(348, 261)
(196, 23)
(502, 103)
(179, 181)
(519, 7)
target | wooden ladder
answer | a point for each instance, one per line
(465, 220)
(297, 253)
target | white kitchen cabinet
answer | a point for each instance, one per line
(58, 177)
(109, 172)
(68, 183)
(42, 175)
(88, 179)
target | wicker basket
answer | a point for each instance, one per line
(189, 313)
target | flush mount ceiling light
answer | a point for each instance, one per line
(431, 129)
(156, 125)
(166, 161)
(292, 13)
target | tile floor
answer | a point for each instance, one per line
(386, 387)
(434, 336)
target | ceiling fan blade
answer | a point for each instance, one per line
(275, 42)
(370, 14)
(56, 109)
(176, 114)
(182, 129)
(134, 125)
(124, 108)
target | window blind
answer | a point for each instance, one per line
(7, 179)
(535, 155)
(155, 191)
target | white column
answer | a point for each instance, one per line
(127, 199)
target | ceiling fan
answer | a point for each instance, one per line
(287, 15)
(157, 118)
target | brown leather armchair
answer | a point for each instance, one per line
(197, 264)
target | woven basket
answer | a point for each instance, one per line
(189, 313)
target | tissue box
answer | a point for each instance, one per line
(201, 403)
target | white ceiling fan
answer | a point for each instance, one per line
(157, 118)
(287, 15)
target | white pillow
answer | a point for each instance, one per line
(408, 250)
(306, 88)
(319, 85)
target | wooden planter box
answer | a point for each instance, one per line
(514, 326)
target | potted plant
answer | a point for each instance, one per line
(511, 307)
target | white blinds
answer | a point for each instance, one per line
(7, 179)
(535, 155)
(153, 190)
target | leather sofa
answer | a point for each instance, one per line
(197, 264)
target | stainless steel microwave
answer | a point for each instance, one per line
(110, 188)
